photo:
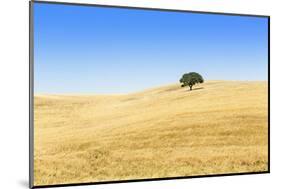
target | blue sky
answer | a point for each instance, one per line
(79, 49)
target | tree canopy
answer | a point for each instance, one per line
(190, 79)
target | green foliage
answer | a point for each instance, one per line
(190, 79)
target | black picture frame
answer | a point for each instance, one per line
(31, 94)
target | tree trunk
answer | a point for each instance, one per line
(190, 87)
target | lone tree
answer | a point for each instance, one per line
(190, 79)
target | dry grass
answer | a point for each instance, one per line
(163, 132)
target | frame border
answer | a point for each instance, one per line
(31, 93)
(31, 96)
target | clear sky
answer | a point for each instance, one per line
(81, 49)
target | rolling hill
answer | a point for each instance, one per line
(219, 127)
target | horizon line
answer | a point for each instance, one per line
(138, 91)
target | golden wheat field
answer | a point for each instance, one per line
(168, 131)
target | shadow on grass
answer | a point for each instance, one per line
(198, 88)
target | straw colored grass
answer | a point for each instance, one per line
(219, 127)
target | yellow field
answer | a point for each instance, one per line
(219, 127)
